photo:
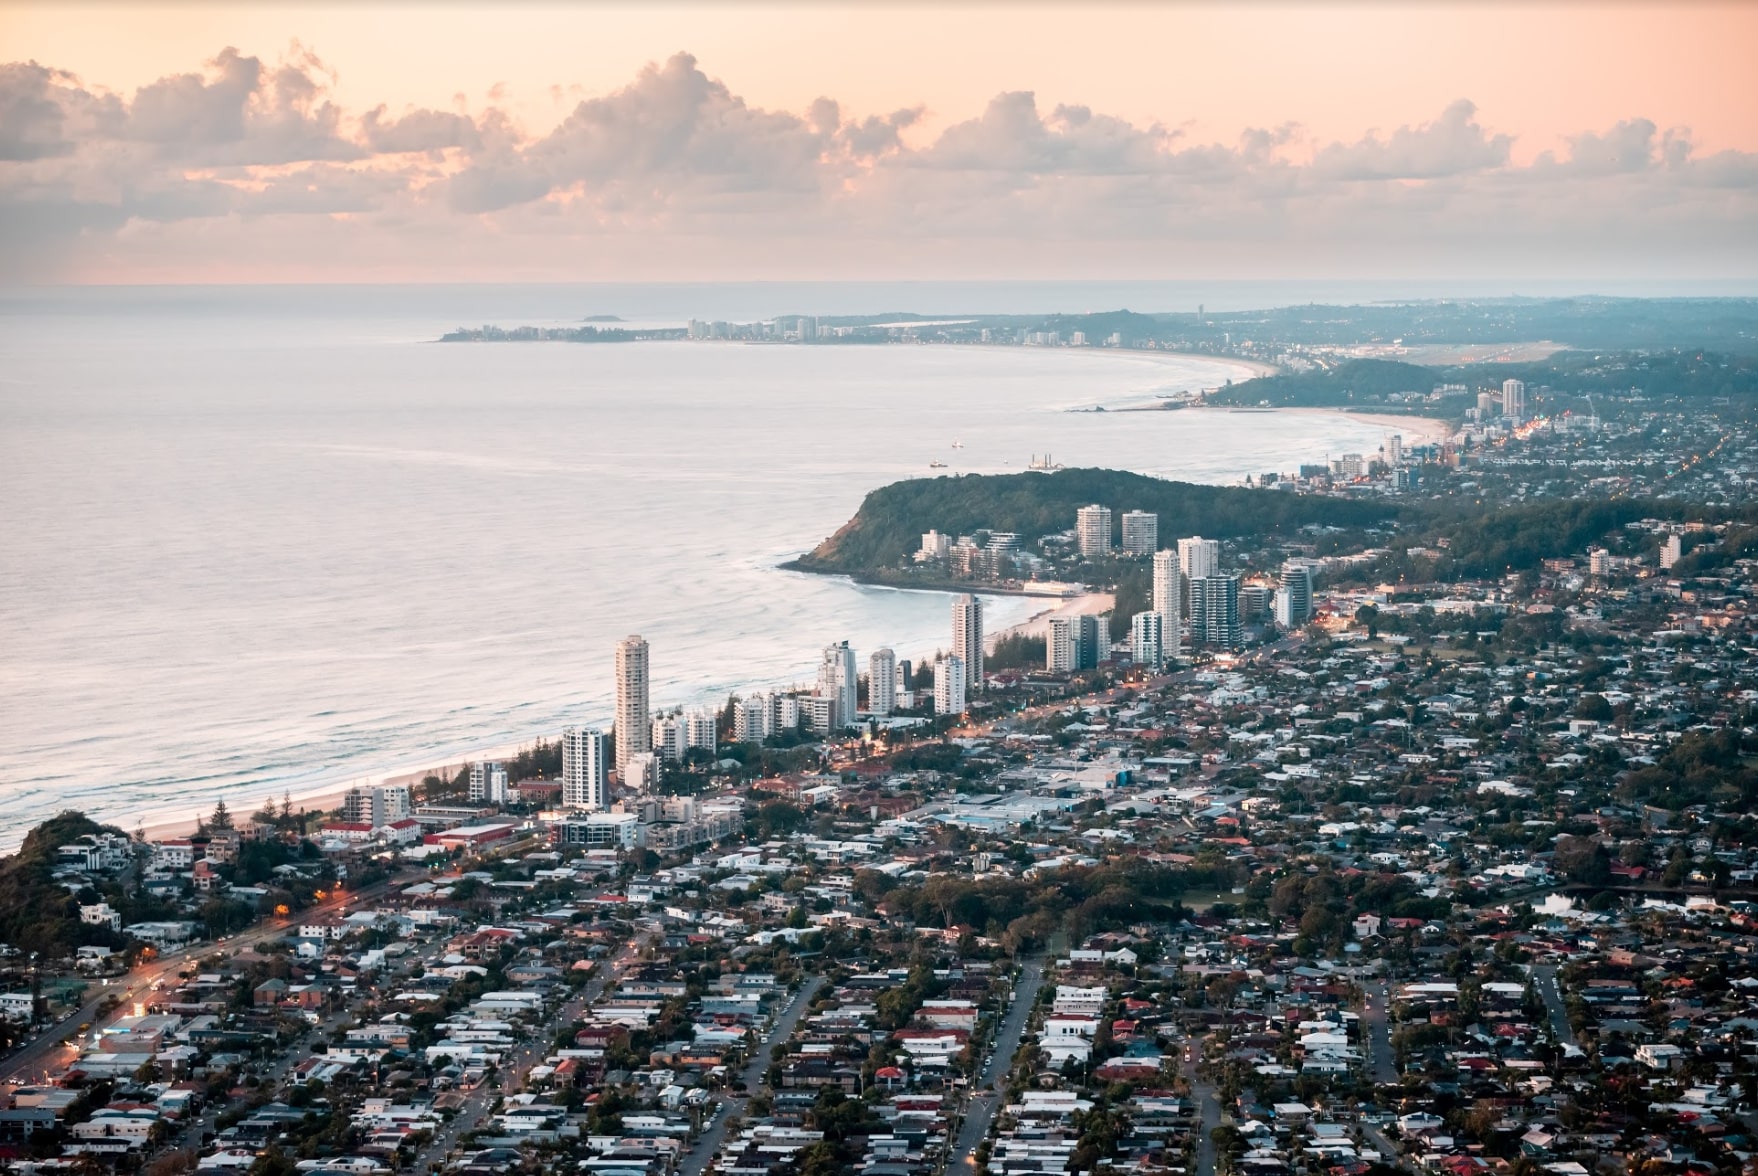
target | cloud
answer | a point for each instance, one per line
(419, 130)
(1453, 144)
(245, 159)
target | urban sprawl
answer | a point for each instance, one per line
(1340, 853)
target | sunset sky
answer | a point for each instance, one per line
(405, 141)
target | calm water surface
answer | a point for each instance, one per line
(275, 543)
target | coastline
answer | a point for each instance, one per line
(1038, 624)
(172, 820)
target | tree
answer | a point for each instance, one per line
(221, 818)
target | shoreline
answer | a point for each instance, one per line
(163, 821)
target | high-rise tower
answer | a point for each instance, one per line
(967, 638)
(585, 780)
(633, 729)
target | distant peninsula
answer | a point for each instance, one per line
(879, 543)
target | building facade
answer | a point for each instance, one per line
(1294, 596)
(1092, 530)
(585, 774)
(633, 730)
(1144, 640)
(1168, 601)
(882, 682)
(1141, 532)
(949, 686)
(967, 639)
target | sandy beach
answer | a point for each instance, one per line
(1038, 624)
(1415, 430)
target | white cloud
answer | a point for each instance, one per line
(248, 160)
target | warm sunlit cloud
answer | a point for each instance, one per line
(257, 167)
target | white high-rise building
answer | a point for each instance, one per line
(1144, 640)
(1294, 596)
(1514, 400)
(634, 735)
(1672, 549)
(1062, 645)
(642, 771)
(949, 684)
(1092, 529)
(585, 775)
(1199, 557)
(1141, 532)
(668, 738)
(1395, 450)
(488, 782)
(882, 682)
(701, 728)
(751, 719)
(784, 713)
(967, 638)
(378, 806)
(838, 683)
(1168, 601)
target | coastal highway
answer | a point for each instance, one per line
(45, 1055)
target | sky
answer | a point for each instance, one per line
(410, 141)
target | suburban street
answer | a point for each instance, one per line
(1544, 978)
(708, 1143)
(988, 1090)
(1208, 1105)
(1375, 1019)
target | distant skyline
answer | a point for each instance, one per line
(444, 142)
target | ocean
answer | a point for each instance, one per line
(273, 540)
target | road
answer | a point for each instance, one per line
(991, 1082)
(1375, 1011)
(1208, 1107)
(45, 1054)
(1544, 978)
(516, 1066)
(695, 1161)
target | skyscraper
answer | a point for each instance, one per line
(1141, 532)
(882, 682)
(1198, 557)
(967, 638)
(1214, 610)
(838, 683)
(1144, 640)
(1672, 549)
(1168, 601)
(585, 777)
(701, 728)
(1094, 641)
(1514, 400)
(949, 684)
(1294, 596)
(634, 735)
(668, 739)
(1092, 529)
(1062, 646)
(488, 782)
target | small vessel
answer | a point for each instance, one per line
(958, 444)
(936, 465)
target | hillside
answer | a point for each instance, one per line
(36, 914)
(1359, 383)
(889, 526)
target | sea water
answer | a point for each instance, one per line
(257, 542)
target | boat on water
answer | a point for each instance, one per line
(936, 465)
